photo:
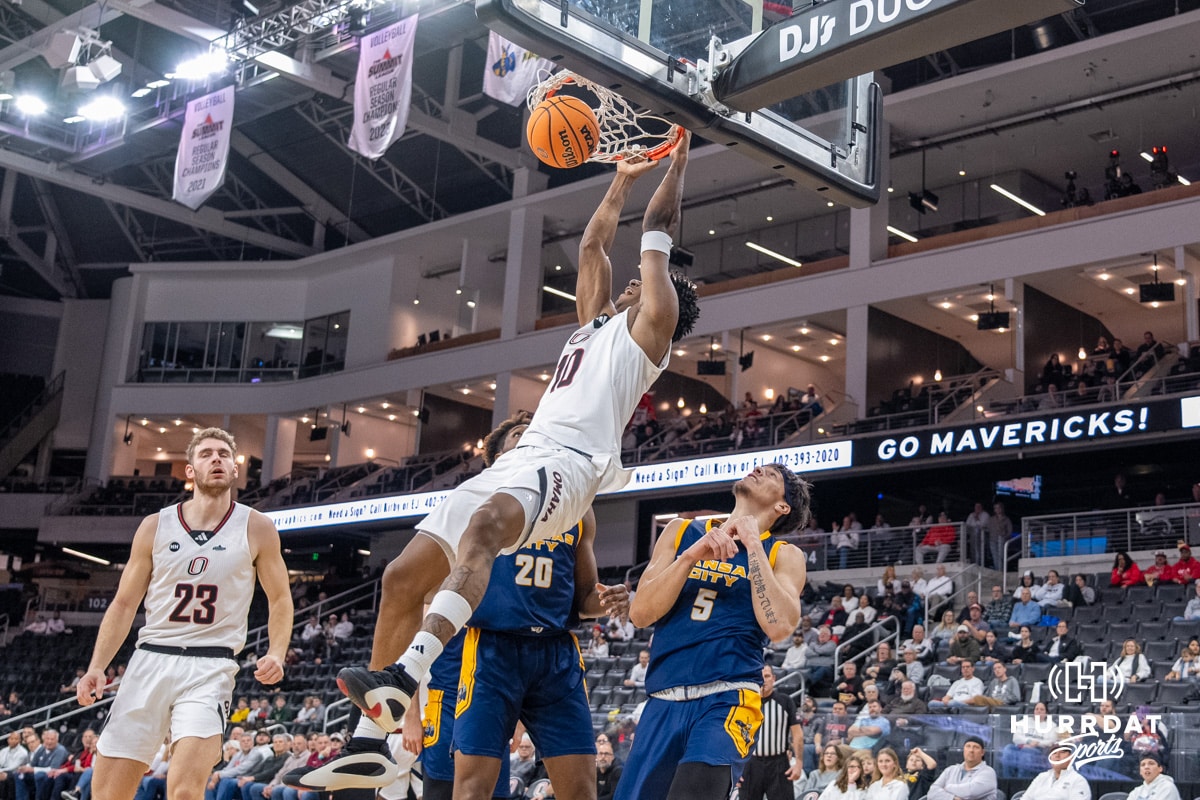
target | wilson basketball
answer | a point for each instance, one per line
(562, 131)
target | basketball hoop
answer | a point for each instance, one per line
(624, 132)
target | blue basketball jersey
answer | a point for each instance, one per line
(711, 633)
(532, 591)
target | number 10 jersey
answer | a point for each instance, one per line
(600, 377)
(201, 582)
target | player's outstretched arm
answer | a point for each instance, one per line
(273, 577)
(593, 283)
(592, 598)
(118, 618)
(412, 733)
(665, 576)
(659, 313)
(776, 590)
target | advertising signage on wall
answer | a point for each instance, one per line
(1004, 434)
(644, 478)
(983, 437)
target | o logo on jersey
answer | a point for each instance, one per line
(197, 565)
(174, 547)
(580, 336)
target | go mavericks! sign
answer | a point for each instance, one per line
(1007, 434)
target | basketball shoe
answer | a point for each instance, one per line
(363, 764)
(383, 695)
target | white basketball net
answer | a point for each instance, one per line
(623, 129)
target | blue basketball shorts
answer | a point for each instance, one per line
(718, 730)
(536, 679)
(436, 753)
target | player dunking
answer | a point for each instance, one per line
(571, 451)
(716, 596)
(195, 565)
(520, 660)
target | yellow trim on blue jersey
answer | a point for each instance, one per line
(466, 676)
(679, 533)
(743, 720)
(432, 723)
(582, 666)
(774, 551)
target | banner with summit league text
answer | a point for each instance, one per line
(383, 89)
(511, 71)
(203, 148)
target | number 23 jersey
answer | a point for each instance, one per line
(711, 633)
(201, 582)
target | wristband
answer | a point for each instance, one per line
(657, 241)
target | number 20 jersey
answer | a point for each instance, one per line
(532, 591)
(600, 377)
(711, 633)
(199, 593)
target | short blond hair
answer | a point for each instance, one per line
(210, 433)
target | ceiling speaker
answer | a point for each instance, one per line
(79, 79)
(62, 50)
(105, 68)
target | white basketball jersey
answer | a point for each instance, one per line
(200, 591)
(600, 377)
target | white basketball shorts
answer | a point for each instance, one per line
(185, 696)
(565, 481)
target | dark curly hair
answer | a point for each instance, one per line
(689, 305)
(495, 439)
(798, 494)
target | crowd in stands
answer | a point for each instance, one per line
(1106, 372)
(891, 713)
(980, 538)
(746, 426)
(993, 657)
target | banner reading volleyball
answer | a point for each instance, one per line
(383, 89)
(203, 148)
(511, 71)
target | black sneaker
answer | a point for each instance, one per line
(383, 696)
(362, 764)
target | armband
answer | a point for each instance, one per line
(658, 241)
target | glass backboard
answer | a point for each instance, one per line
(660, 55)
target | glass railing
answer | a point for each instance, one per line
(1126, 529)
(168, 374)
(876, 548)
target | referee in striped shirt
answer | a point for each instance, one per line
(769, 773)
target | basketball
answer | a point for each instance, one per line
(563, 131)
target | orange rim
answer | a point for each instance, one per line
(661, 151)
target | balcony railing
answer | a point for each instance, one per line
(1094, 532)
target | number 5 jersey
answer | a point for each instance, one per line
(711, 633)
